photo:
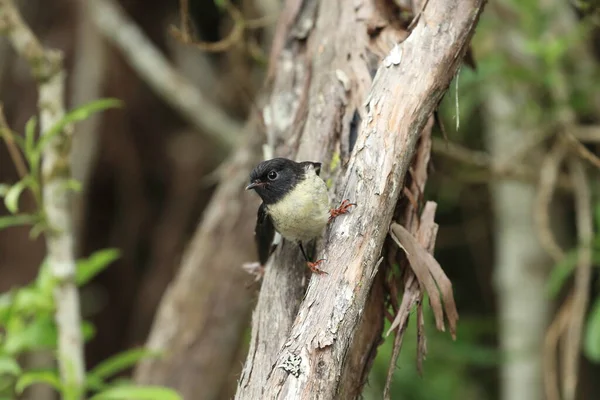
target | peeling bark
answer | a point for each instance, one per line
(303, 354)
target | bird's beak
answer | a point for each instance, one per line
(255, 184)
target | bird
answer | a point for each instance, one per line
(295, 203)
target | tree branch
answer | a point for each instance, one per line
(583, 276)
(47, 68)
(549, 172)
(310, 360)
(147, 60)
(482, 160)
(13, 150)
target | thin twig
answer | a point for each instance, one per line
(233, 37)
(15, 154)
(147, 60)
(548, 176)
(47, 68)
(184, 17)
(551, 340)
(583, 276)
(587, 133)
(481, 159)
(240, 24)
(460, 153)
(260, 22)
(415, 20)
(528, 143)
(409, 300)
(582, 151)
(580, 132)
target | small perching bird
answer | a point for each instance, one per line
(295, 203)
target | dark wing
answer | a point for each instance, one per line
(317, 166)
(264, 234)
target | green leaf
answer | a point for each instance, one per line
(88, 330)
(30, 300)
(37, 229)
(220, 4)
(73, 184)
(16, 220)
(6, 305)
(89, 267)
(4, 188)
(45, 281)
(18, 140)
(30, 136)
(9, 366)
(29, 378)
(78, 114)
(591, 341)
(38, 334)
(96, 385)
(138, 393)
(11, 199)
(561, 272)
(120, 362)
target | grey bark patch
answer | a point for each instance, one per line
(292, 364)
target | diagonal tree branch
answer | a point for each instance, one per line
(47, 68)
(147, 60)
(310, 360)
(583, 277)
(13, 150)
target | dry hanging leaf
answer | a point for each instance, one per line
(429, 273)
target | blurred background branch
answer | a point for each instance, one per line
(9, 139)
(194, 106)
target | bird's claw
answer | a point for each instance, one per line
(314, 267)
(342, 209)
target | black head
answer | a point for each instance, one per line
(273, 179)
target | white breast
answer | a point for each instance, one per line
(303, 213)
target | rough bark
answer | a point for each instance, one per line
(303, 354)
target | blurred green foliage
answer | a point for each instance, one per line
(446, 368)
(27, 323)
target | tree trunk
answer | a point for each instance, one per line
(302, 343)
(522, 265)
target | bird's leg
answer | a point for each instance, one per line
(342, 209)
(313, 266)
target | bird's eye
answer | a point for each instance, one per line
(272, 175)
